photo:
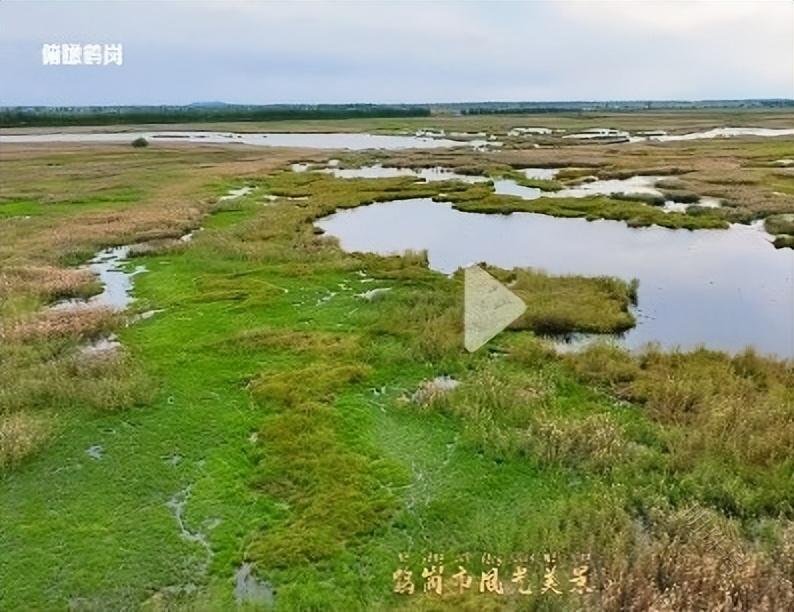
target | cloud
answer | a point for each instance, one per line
(267, 52)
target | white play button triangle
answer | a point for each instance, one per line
(489, 307)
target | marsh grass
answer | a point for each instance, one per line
(782, 227)
(513, 415)
(481, 199)
(666, 171)
(46, 283)
(280, 392)
(520, 178)
(68, 323)
(681, 541)
(54, 375)
(784, 242)
(646, 198)
(80, 202)
(692, 558)
(714, 411)
(21, 434)
(567, 304)
(681, 195)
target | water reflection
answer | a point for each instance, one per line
(641, 185)
(726, 289)
(116, 281)
(436, 173)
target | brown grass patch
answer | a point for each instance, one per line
(21, 434)
(46, 282)
(693, 559)
(76, 323)
(741, 406)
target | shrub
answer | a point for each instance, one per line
(20, 435)
(140, 142)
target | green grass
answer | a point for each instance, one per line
(281, 407)
(479, 198)
(568, 304)
(520, 178)
(31, 207)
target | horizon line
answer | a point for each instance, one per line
(415, 104)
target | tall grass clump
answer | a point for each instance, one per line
(21, 434)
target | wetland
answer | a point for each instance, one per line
(235, 376)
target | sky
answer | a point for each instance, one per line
(267, 52)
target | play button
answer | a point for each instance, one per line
(489, 307)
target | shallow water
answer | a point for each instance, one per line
(725, 132)
(635, 185)
(644, 185)
(248, 589)
(115, 280)
(598, 133)
(662, 136)
(511, 188)
(726, 289)
(233, 194)
(522, 131)
(426, 174)
(351, 141)
(422, 139)
(703, 202)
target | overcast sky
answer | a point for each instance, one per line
(432, 51)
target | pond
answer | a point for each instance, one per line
(640, 185)
(350, 141)
(725, 289)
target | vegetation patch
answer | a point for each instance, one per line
(520, 178)
(479, 198)
(567, 304)
(21, 434)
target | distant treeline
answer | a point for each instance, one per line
(532, 110)
(48, 116)
(205, 112)
(517, 108)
